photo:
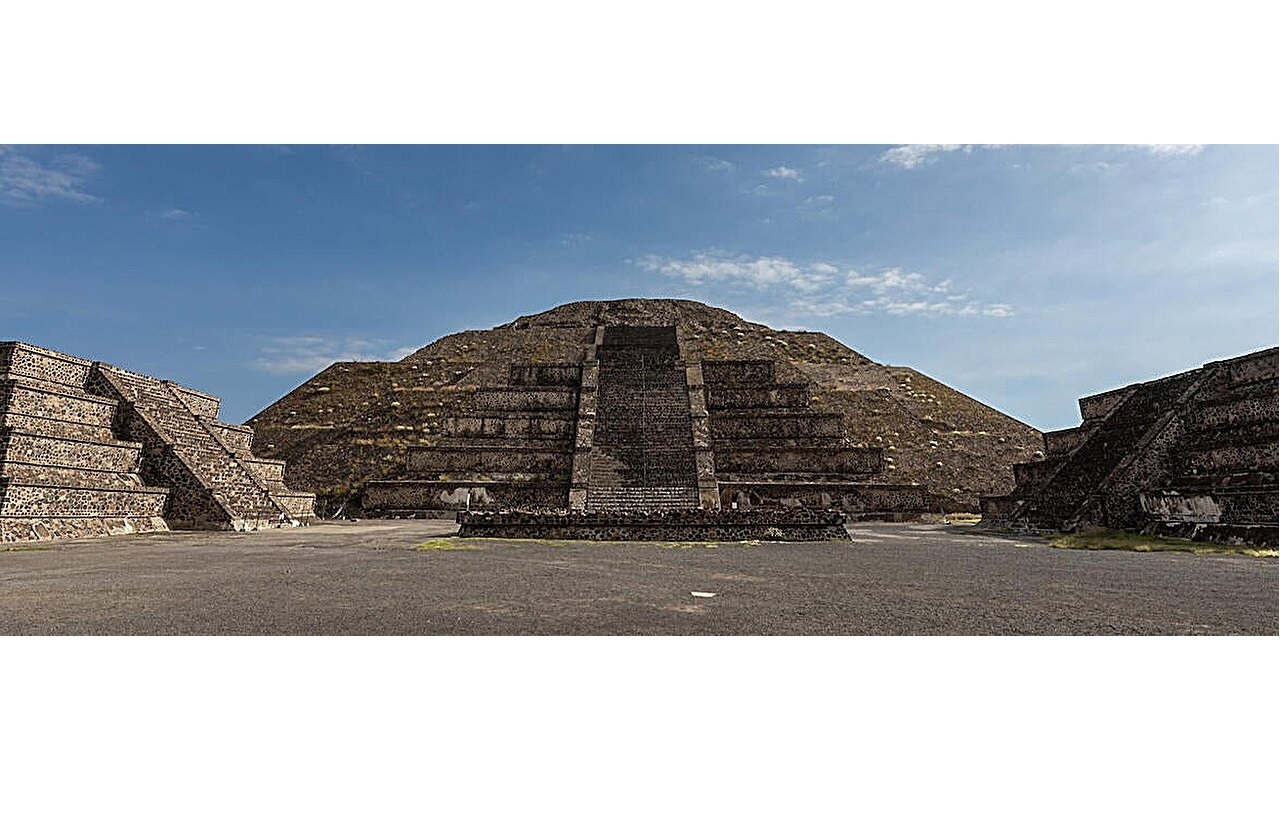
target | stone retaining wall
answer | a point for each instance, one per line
(677, 525)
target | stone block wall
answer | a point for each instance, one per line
(63, 472)
(511, 446)
(643, 429)
(214, 480)
(89, 449)
(670, 525)
(1193, 455)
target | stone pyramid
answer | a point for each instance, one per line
(646, 403)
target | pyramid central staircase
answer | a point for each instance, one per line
(642, 454)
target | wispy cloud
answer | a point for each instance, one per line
(916, 155)
(759, 273)
(309, 354)
(177, 215)
(913, 155)
(714, 164)
(783, 173)
(817, 205)
(1172, 150)
(24, 179)
(575, 240)
(822, 289)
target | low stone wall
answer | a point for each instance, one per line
(671, 525)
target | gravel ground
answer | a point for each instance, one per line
(369, 578)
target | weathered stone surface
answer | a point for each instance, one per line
(89, 449)
(357, 422)
(662, 525)
(1191, 455)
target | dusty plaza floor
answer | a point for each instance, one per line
(371, 577)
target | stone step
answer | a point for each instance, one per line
(21, 359)
(24, 397)
(756, 425)
(41, 473)
(19, 499)
(237, 437)
(265, 469)
(1217, 505)
(118, 456)
(55, 427)
(483, 460)
(642, 498)
(731, 397)
(524, 398)
(1225, 459)
(746, 372)
(1210, 415)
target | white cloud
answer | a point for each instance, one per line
(822, 289)
(1172, 150)
(25, 179)
(911, 155)
(177, 215)
(784, 172)
(309, 354)
(760, 273)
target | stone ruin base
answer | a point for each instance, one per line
(1247, 535)
(71, 527)
(665, 525)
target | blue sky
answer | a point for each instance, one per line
(1026, 276)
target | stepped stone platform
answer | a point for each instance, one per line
(671, 412)
(88, 449)
(1192, 455)
(637, 427)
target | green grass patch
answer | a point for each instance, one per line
(1124, 540)
(19, 548)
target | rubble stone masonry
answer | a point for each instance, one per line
(89, 449)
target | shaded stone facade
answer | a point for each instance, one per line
(89, 449)
(1191, 455)
(639, 426)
